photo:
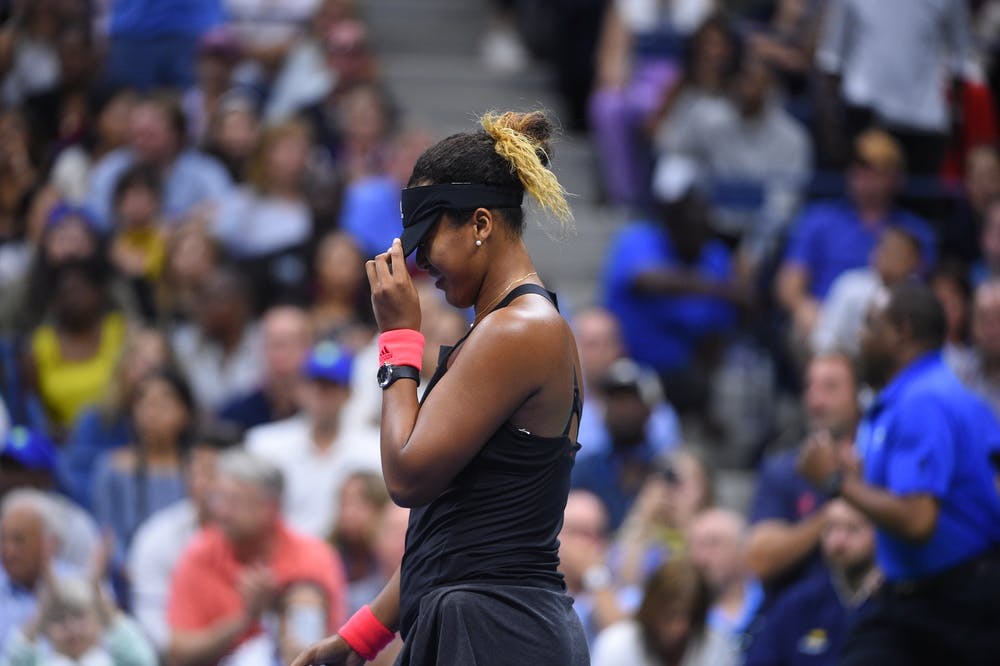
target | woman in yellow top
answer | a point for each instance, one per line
(74, 355)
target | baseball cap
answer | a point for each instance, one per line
(31, 448)
(627, 375)
(330, 362)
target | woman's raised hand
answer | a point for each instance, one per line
(394, 297)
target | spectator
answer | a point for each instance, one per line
(950, 284)
(70, 174)
(192, 258)
(980, 370)
(267, 224)
(341, 308)
(152, 43)
(750, 142)
(896, 257)
(988, 266)
(659, 521)
(287, 338)
(671, 286)
(192, 181)
(73, 358)
(27, 544)
(928, 486)
(266, 33)
(362, 498)
(616, 474)
(810, 623)
(981, 186)
(786, 43)
(371, 203)
(19, 178)
(317, 449)
(830, 238)
(217, 54)
(105, 425)
(220, 354)
(366, 117)
(388, 537)
(80, 625)
(718, 548)
(139, 246)
(632, 77)
(878, 60)
(583, 548)
(32, 65)
(162, 538)
(786, 521)
(133, 482)
(599, 341)
(230, 575)
(233, 131)
(670, 626)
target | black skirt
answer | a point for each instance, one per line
(483, 625)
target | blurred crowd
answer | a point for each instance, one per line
(189, 446)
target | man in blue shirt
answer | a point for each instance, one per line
(616, 474)
(786, 515)
(832, 237)
(808, 625)
(672, 287)
(928, 485)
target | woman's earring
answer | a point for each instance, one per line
(479, 243)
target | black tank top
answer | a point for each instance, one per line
(499, 519)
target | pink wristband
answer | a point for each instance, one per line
(365, 634)
(401, 346)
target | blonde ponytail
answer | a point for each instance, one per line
(521, 139)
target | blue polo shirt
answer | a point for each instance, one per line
(663, 331)
(829, 239)
(926, 433)
(782, 494)
(806, 627)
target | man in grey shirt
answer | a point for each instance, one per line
(893, 61)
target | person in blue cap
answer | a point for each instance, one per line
(927, 483)
(319, 447)
(27, 458)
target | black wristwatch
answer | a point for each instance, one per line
(388, 373)
(833, 484)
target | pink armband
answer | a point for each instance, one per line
(365, 634)
(401, 346)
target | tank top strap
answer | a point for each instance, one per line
(529, 288)
(577, 408)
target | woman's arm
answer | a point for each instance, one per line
(503, 363)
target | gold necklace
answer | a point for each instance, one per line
(503, 292)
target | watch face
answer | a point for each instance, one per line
(384, 375)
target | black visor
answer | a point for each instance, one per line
(422, 206)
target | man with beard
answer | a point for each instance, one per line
(927, 484)
(808, 625)
(786, 518)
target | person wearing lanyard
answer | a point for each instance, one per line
(927, 483)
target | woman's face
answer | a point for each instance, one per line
(340, 266)
(192, 259)
(445, 254)
(236, 132)
(148, 352)
(113, 121)
(73, 632)
(158, 411)
(70, 239)
(78, 301)
(357, 516)
(286, 159)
